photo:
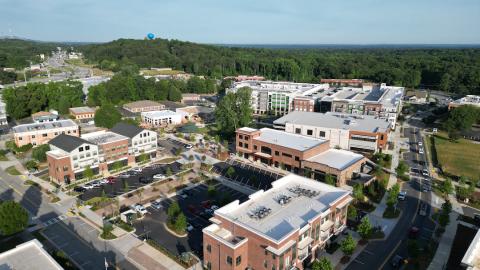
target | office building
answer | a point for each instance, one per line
(140, 141)
(82, 113)
(284, 227)
(362, 133)
(161, 118)
(299, 154)
(143, 106)
(466, 100)
(29, 255)
(41, 133)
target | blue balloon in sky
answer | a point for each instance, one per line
(150, 36)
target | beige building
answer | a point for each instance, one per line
(143, 106)
(82, 113)
(42, 133)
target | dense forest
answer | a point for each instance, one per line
(453, 70)
(17, 53)
(127, 85)
(25, 100)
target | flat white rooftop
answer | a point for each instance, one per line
(303, 200)
(28, 256)
(44, 126)
(344, 121)
(468, 100)
(101, 137)
(82, 110)
(337, 158)
(289, 140)
(159, 114)
(247, 129)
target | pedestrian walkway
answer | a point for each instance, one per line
(440, 259)
(376, 218)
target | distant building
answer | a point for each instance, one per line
(343, 82)
(3, 113)
(82, 113)
(284, 227)
(190, 97)
(241, 78)
(304, 104)
(416, 96)
(143, 106)
(42, 117)
(161, 118)
(42, 133)
(298, 154)
(467, 100)
(363, 133)
(28, 255)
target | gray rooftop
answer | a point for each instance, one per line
(101, 137)
(67, 142)
(28, 256)
(82, 110)
(44, 126)
(366, 123)
(337, 158)
(126, 129)
(289, 140)
(283, 219)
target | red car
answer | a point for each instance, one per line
(206, 204)
(413, 233)
(111, 180)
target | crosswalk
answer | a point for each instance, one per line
(54, 220)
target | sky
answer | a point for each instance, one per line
(246, 21)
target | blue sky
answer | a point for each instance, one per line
(247, 21)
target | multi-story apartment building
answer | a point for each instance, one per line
(466, 100)
(276, 98)
(69, 156)
(143, 106)
(362, 133)
(304, 104)
(42, 133)
(82, 113)
(140, 141)
(280, 228)
(298, 154)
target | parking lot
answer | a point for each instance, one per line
(193, 205)
(246, 174)
(171, 145)
(118, 187)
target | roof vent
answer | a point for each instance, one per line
(260, 212)
(284, 199)
(299, 191)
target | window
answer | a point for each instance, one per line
(44, 134)
(381, 137)
(56, 133)
(240, 137)
(322, 134)
(209, 248)
(87, 147)
(298, 131)
(265, 263)
(240, 144)
(255, 147)
(209, 265)
(246, 145)
(19, 138)
(80, 149)
(33, 136)
(68, 132)
(277, 153)
(286, 155)
(297, 158)
(229, 260)
(309, 132)
(238, 260)
(65, 168)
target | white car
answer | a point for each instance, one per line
(420, 143)
(103, 181)
(188, 146)
(425, 173)
(401, 195)
(214, 207)
(420, 151)
(140, 209)
(88, 186)
(137, 169)
(159, 176)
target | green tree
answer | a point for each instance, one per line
(13, 218)
(358, 192)
(322, 264)
(126, 187)
(352, 212)
(329, 179)
(39, 152)
(402, 168)
(230, 172)
(234, 111)
(211, 191)
(143, 157)
(174, 94)
(173, 211)
(117, 165)
(180, 223)
(365, 228)
(31, 165)
(447, 186)
(88, 173)
(168, 171)
(461, 119)
(107, 116)
(348, 245)
(393, 195)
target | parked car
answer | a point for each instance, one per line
(401, 195)
(96, 183)
(420, 143)
(214, 207)
(413, 232)
(111, 180)
(159, 176)
(206, 204)
(79, 189)
(88, 186)
(397, 261)
(156, 205)
(423, 209)
(140, 209)
(188, 146)
(136, 169)
(104, 181)
(420, 151)
(425, 172)
(144, 180)
(189, 227)
(124, 175)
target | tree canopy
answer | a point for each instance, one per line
(461, 119)
(39, 152)
(16, 53)
(34, 97)
(13, 218)
(447, 69)
(234, 111)
(107, 116)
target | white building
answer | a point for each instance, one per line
(140, 141)
(28, 255)
(269, 97)
(3, 113)
(161, 118)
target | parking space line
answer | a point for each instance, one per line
(74, 253)
(85, 263)
(63, 245)
(368, 252)
(360, 262)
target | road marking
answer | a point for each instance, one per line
(360, 262)
(85, 263)
(63, 245)
(368, 252)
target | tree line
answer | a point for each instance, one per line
(16, 53)
(452, 70)
(22, 101)
(127, 85)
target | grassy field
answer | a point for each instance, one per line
(461, 158)
(149, 72)
(12, 170)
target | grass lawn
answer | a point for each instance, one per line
(461, 158)
(3, 158)
(12, 171)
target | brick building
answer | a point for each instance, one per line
(42, 133)
(82, 113)
(292, 151)
(274, 229)
(304, 104)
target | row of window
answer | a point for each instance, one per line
(229, 259)
(44, 135)
(310, 132)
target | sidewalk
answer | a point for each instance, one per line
(445, 245)
(376, 217)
